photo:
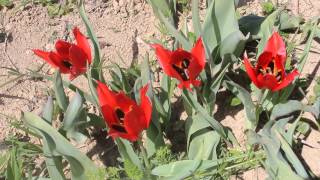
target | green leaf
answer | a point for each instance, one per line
(250, 24)
(14, 171)
(73, 118)
(177, 170)
(235, 101)
(127, 152)
(202, 141)
(245, 97)
(47, 112)
(192, 102)
(196, 17)
(53, 163)
(154, 132)
(175, 33)
(96, 69)
(302, 61)
(59, 91)
(80, 164)
(288, 21)
(220, 22)
(266, 30)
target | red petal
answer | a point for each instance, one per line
(78, 60)
(199, 62)
(108, 115)
(62, 48)
(267, 81)
(250, 71)
(105, 96)
(146, 105)
(164, 57)
(287, 80)
(83, 43)
(59, 61)
(276, 46)
(134, 123)
(45, 56)
(264, 60)
(124, 102)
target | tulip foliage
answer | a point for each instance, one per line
(139, 107)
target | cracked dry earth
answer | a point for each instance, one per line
(121, 27)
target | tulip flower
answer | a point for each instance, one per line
(69, 58)
(269, 72)
(182, 65)
(124, 117)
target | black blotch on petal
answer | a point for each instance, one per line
(119, 128)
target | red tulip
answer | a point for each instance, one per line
(69, 58)
(269, 72)
(182, 65)
(124, 117)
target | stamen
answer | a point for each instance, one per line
(182, 69)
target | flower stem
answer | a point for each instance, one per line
(145, 158)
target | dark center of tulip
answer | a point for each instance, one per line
(271, 70)
(119, 128)
(120, 115)
(182, 69)
(66, 64)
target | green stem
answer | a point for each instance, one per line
(145, 158)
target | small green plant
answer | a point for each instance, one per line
(268, 7)
(132, 170)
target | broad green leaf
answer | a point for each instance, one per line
(47, 111)
(220, 22)
(74, 119)
(177, 170)
(61, 97)
(245, 97)
(202, 141)
(80, 164)
(53, 163)
(196, 17)
(73, 112)
(223, 132)
(127, 152)
(285, 109)
(291, 156)
(250, 24)
(233, 44)
(266, 30)
(289, 21)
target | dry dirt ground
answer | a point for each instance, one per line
(120, 26)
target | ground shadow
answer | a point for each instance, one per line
(105, 148)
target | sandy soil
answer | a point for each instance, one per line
(120, 25)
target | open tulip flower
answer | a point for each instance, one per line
(182, 65)
(69, 58)
(124, 117)
(269, 72)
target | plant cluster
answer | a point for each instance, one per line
(250, 57)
